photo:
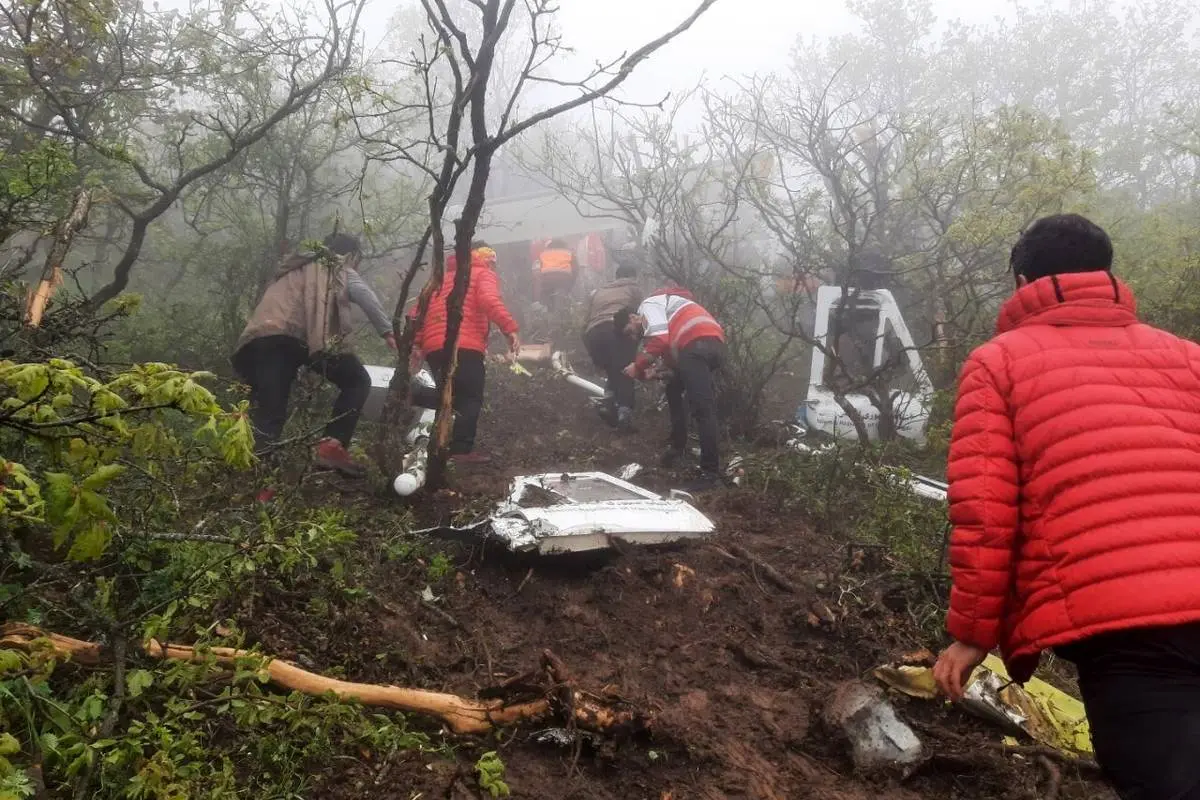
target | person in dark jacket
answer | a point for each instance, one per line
(303, 320)
(610, 349)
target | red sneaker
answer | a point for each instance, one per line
(333, 454)
(471, 458)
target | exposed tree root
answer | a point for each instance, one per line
(772, 574)
(461, 715)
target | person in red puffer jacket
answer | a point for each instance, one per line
(1074, 475)
(483, 307)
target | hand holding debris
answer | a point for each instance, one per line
(514, 346)
(631, 371)
(954, 666)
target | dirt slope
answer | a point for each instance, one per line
(735, 667)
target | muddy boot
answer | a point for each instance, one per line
(332, 454)
(705, 481)
(608, 414)
(474, 457)
(625, 420)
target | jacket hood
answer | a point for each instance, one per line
(292, 263)
(1075, 298)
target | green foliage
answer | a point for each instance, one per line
(84, 430)
(846, 492)
(490, 770)
(439, 567)
(184, 735)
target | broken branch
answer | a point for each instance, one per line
(770, 572)
(461, 715)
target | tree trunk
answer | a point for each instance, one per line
(464, 232)
(70, 225)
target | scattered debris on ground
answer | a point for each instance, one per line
(733, 643)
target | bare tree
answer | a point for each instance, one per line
(136, 97)
(461, 137)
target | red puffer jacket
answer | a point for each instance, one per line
(1074, 474)
(483, 307)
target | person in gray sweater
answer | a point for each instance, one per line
(610, 350)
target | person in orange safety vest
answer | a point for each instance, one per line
(554, 274)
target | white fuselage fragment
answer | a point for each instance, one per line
(583, 511)
(821, 410)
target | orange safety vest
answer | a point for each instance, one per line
(555, 261)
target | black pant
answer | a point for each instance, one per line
(1141, 689)
(695, 378)
(555, 289)
(269, 365)
(469, 380)
(612, 352)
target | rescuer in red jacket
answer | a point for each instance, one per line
(482, 308)
(1074, 476)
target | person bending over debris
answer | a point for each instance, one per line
(1074, 475)
(482, 307)
(303, 319)
(683, 336)
(610, 349)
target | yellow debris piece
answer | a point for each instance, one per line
(1044, 713)
(1054, 717)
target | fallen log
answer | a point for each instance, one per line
(460, 714)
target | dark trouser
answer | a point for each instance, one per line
(1141, 689)
(612, 352)
(554, 288)
(269, 365)
(695, 378)
(469, 380)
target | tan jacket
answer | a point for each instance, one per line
(307, 300)
(611, 298)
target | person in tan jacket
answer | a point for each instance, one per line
(611, 351)
(303, 320)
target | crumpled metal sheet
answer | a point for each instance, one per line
(1037, 709)
(582, 511)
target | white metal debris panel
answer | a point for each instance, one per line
(581, 511)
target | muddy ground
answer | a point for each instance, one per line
(734, 668)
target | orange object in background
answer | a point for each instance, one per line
(555, 260)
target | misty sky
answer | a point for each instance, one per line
(735, 37)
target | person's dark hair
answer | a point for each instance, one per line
(343, 244)
(478, 243)
(621, 319)
(626, 271)
(1059, 244)
(557, 244)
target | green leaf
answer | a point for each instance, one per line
(91, 544)
(9, 746)
(10, 661)
(103, 475)
(138, 681)
(59, 494)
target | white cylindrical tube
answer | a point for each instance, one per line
(413, 476)
(559, 360)
(586, 385)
